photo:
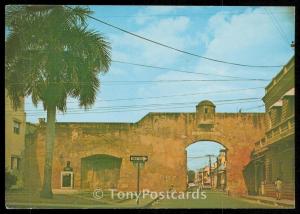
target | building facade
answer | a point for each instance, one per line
(213, 176)
(219, 172)
(203, 177)
(274, 155)
(15, 122)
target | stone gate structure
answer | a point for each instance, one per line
(99, 152)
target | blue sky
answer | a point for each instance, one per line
(200, 149)
(236, 34)
(246, 35)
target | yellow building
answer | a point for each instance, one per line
(213, 176)
(274, 155)
(15, 122)
(220, 171)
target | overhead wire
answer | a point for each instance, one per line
(177, 70)
(172, 95)
(130, 82)
(141, 108)
(176, 49)
(254, 107)
(198, 14)
(157, 104)
(277, 26)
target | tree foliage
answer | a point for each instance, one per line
(51, 54)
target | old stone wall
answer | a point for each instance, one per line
(163, 137)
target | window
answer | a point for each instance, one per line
(291, 106)
(17, 127)
(15, 162)
(270, 119)
(205, 110)
(278, 115)
(67, 180)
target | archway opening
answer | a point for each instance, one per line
(206, 165)
(100, 171)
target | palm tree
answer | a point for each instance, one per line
(50, 54)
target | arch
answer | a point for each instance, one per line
(100, 171)
(214, 136)
(211, 169)
(112, 151)
(204, 139)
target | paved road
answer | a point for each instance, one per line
(213, 200)
(86, 200)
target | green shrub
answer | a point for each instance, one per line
(10, 180)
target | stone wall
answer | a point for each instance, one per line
(163, 137)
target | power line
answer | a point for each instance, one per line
(134, 82)
(277, 26)
(136, 109)
(159, 104)
(174, 95)
(182, 71)
(176, 49)
(189, 15)
(204, 156)
(280, 28)
(127, 110)
(254, 107)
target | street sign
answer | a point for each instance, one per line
(138, 161)
(138, 158)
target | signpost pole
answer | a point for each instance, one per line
(138, 161)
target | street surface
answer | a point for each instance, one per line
(86, 200)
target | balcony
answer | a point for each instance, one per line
(276, 133)
(260, 145)
(282, 130)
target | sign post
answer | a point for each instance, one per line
(138, 161)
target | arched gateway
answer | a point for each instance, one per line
(163, 137)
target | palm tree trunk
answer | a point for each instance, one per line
(50, 138)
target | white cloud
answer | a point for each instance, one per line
(247, 38)
(153, 12)
(170, 31)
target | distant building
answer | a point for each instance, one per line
(206, 176)
(274, 155)
(218, 174)
(214, 176)
(220, 171)
(15, 121)
(199, 177)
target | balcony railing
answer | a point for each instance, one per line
(276, 133)
(282, 130)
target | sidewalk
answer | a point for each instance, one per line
(70, 200)
(269, 200)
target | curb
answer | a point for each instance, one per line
(151, 202)
(276, 203)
